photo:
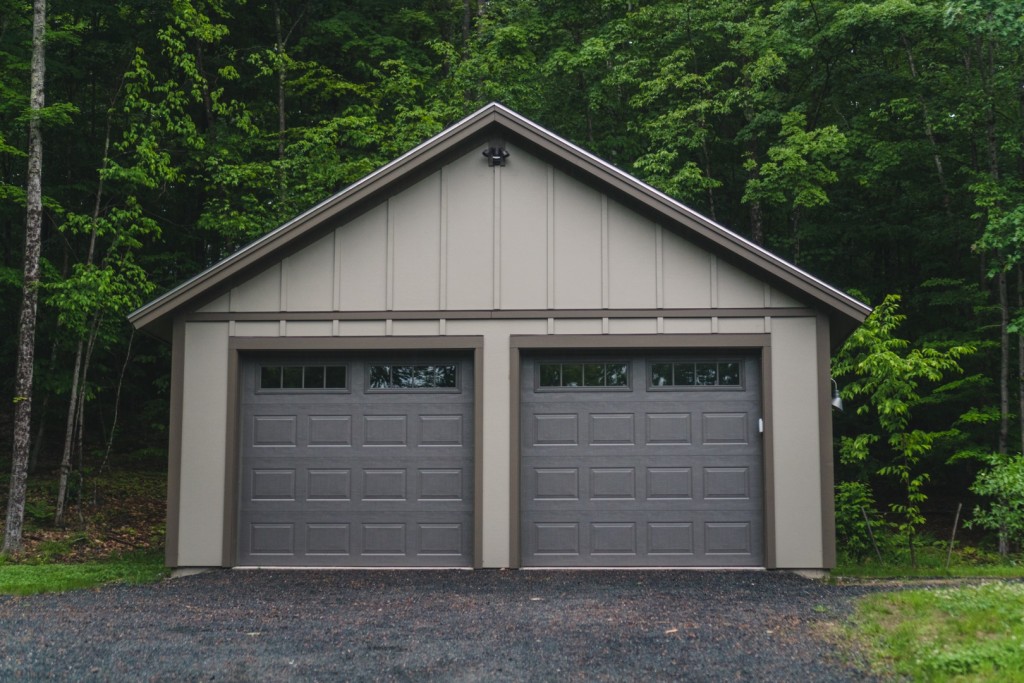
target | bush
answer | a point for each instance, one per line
(1003, 482)
(853, 500)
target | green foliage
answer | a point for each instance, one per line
(888, 375)
(854, 500)
(1003, 483)
(970, 633)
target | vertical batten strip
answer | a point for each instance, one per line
(551, 236)
(442, 270)
(496, 240)
(659, 267)
(390, 275)
(605, 258)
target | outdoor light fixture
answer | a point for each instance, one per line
(495, 156)
(837, 401)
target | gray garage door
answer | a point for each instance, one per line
(356, 461)
(641, 460)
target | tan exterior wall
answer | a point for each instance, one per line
(203, 441)
(794, 450)
(528, 238)
(796, 444)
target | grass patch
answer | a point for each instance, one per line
(131, 568)
(967, 562)
(973, 633)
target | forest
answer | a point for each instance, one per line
(877, 144)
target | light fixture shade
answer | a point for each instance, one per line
(837, 400)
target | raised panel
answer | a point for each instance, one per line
(727, 482)
(384, 485)
(328, 484)
(384, 539)
(327, 539)
(611, 430)
(385, 430)
(727, 538)
(556, 538)
(670, 538)
(440, 484)
(669, 483)
(277, 430)
(668, 429)
(613, 483)
(273, 484)
(330, 430)
(440, 539)
(557, 483)
(613, 538)
(725, 428)
(272, 539)
(440, 430)
(556, 430)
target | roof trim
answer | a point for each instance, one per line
(674, 211)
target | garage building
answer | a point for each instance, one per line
(501, 351)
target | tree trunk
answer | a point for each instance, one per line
(30, 296)
(1004, 364)
(1020, 357)
(69, 438)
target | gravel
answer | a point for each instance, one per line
(435, 625)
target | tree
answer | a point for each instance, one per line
(30, 297)
(888, 374)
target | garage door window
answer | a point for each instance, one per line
(303, 377)
(413, 377)
(583, 375)
(664, 375)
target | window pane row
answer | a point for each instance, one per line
(303, 377)
(584, 374)
(412, 376)
(724, 374)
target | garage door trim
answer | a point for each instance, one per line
(689, 342)
(239, 346)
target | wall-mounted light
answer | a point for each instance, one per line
(837, 400)
(495, 156)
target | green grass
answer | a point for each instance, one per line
(973, 633)
(132, 568)
(967, 562)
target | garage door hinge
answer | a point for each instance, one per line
(760, 425)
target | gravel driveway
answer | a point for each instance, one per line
(434, 625)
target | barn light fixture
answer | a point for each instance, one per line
(837, 401)
(495, 156)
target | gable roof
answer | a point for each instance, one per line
(494, 119)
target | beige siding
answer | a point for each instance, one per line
(687, 273)
(795, 443)
(736, 289)
(257, 329)
(469, 201)
(362, 262)
(203, 439)
(779, 299)
(577, 262)
(312, 328)
(309, 278)
(261, 293)
(219, 305)
(414, 230)
(632, 251)
(525, 228)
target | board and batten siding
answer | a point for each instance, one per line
(525, 237)
(522, 237)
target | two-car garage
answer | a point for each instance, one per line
(626, 459)
(524, 359)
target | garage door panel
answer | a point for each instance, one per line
(357, 477)
(641, 476)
